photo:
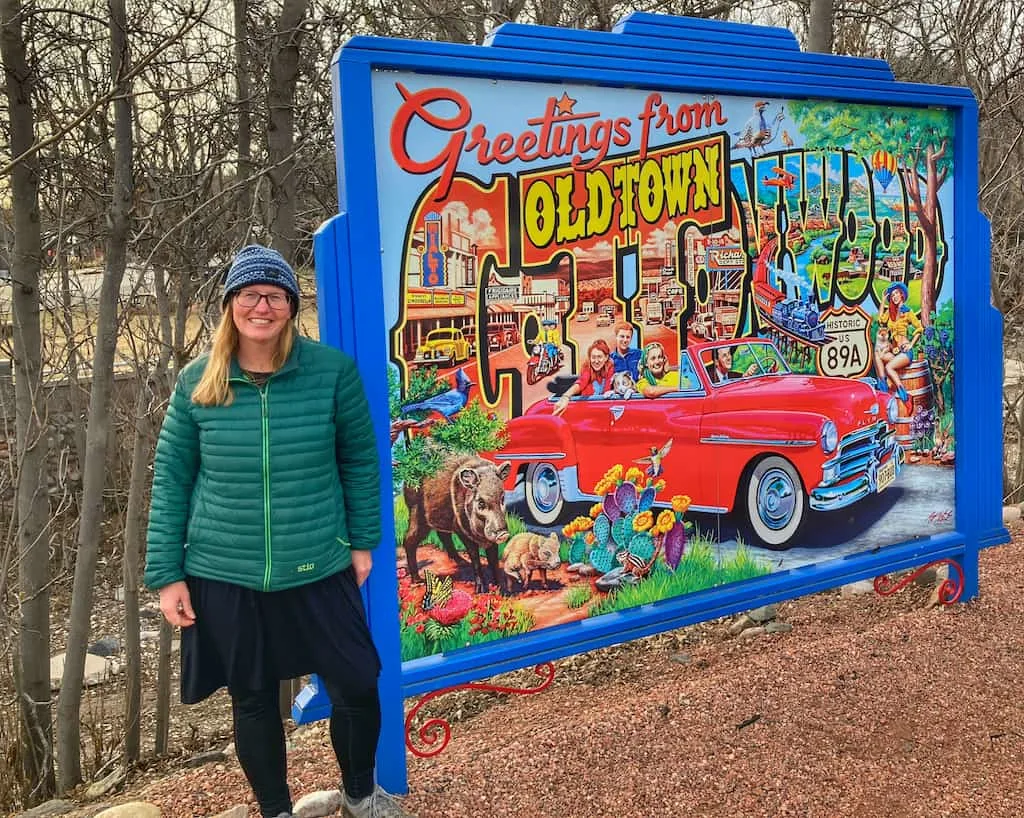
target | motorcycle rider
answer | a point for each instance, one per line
(551, 339)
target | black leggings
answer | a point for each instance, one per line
(259, 741)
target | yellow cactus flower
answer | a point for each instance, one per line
(666, 519)
(584, 524)
(614, 473)
(659, 486)
(589, 538)
(634, 475)
(596, 509)
(602, 486)
(643, 521)
(680, 503)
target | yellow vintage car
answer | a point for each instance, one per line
(442, 347)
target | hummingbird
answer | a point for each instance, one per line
(654, 459)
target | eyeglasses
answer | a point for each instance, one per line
(250, 299)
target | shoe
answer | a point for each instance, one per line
(901, 393)
(883, 387)
(379, 804)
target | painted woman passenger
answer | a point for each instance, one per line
(595, 379)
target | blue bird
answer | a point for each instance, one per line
(448, 403)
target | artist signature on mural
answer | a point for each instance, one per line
(940, 517)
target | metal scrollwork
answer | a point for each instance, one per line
(435, 733)
(949, 591)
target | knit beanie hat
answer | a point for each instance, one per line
(261, 265)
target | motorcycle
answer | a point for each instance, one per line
(541, 363)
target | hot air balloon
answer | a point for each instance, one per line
(884, 164)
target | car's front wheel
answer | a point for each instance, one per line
(774, 502)
(544, 499)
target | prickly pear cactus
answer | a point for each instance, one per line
(602, 559)
(622, 531)
(602, 529)
(646, 500)
(611, 508)
(577, 550)
(642, 546)
(625, 498)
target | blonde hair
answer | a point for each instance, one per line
(213, 388)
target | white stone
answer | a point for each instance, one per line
(861, 586)
(100, 788)
(133, 809)
(97, 670)
(317, 804)
(237, 811)
(1011, 514)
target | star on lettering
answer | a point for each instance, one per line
(564, 104)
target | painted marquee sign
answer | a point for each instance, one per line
(654, 342)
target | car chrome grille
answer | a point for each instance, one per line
(857, 450)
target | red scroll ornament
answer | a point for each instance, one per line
(949, 591)
(439, 731)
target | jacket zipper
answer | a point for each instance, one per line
(264, 412)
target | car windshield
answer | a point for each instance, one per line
(440, 334)
(752, 359)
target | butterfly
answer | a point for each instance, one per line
(438, 592)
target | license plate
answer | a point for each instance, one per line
(886, 474)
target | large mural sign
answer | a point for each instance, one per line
(618, 315)
(657, 325)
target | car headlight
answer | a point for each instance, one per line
(829, 437)
(892, 410)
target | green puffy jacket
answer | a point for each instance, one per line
(272, 490)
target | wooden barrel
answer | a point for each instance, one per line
(917, 380)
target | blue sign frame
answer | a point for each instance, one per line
(667, 54)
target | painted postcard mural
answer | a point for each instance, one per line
(645, 344)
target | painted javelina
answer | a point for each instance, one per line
(529, 552)
(465, 497)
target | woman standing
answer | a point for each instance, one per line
(265, 511)
(594, 380)
(899, 329)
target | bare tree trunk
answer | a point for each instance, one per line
(133, 543)
(32, 507)
(244, 89)
(172, 341)
(284, 74)
(94, 469)
(822, 26)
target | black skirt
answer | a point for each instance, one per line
(247, 640)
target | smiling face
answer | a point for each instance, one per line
(262, 323)
(656, 361)
(597, 359)
(622, 339)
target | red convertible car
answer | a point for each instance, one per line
(752, 437)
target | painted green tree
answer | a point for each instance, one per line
(919, 139)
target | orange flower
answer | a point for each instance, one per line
(596, 509)
(643, 521)
(680, 503)
(634, 475)
(589, 538)
(666, 519)
(583, 523)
